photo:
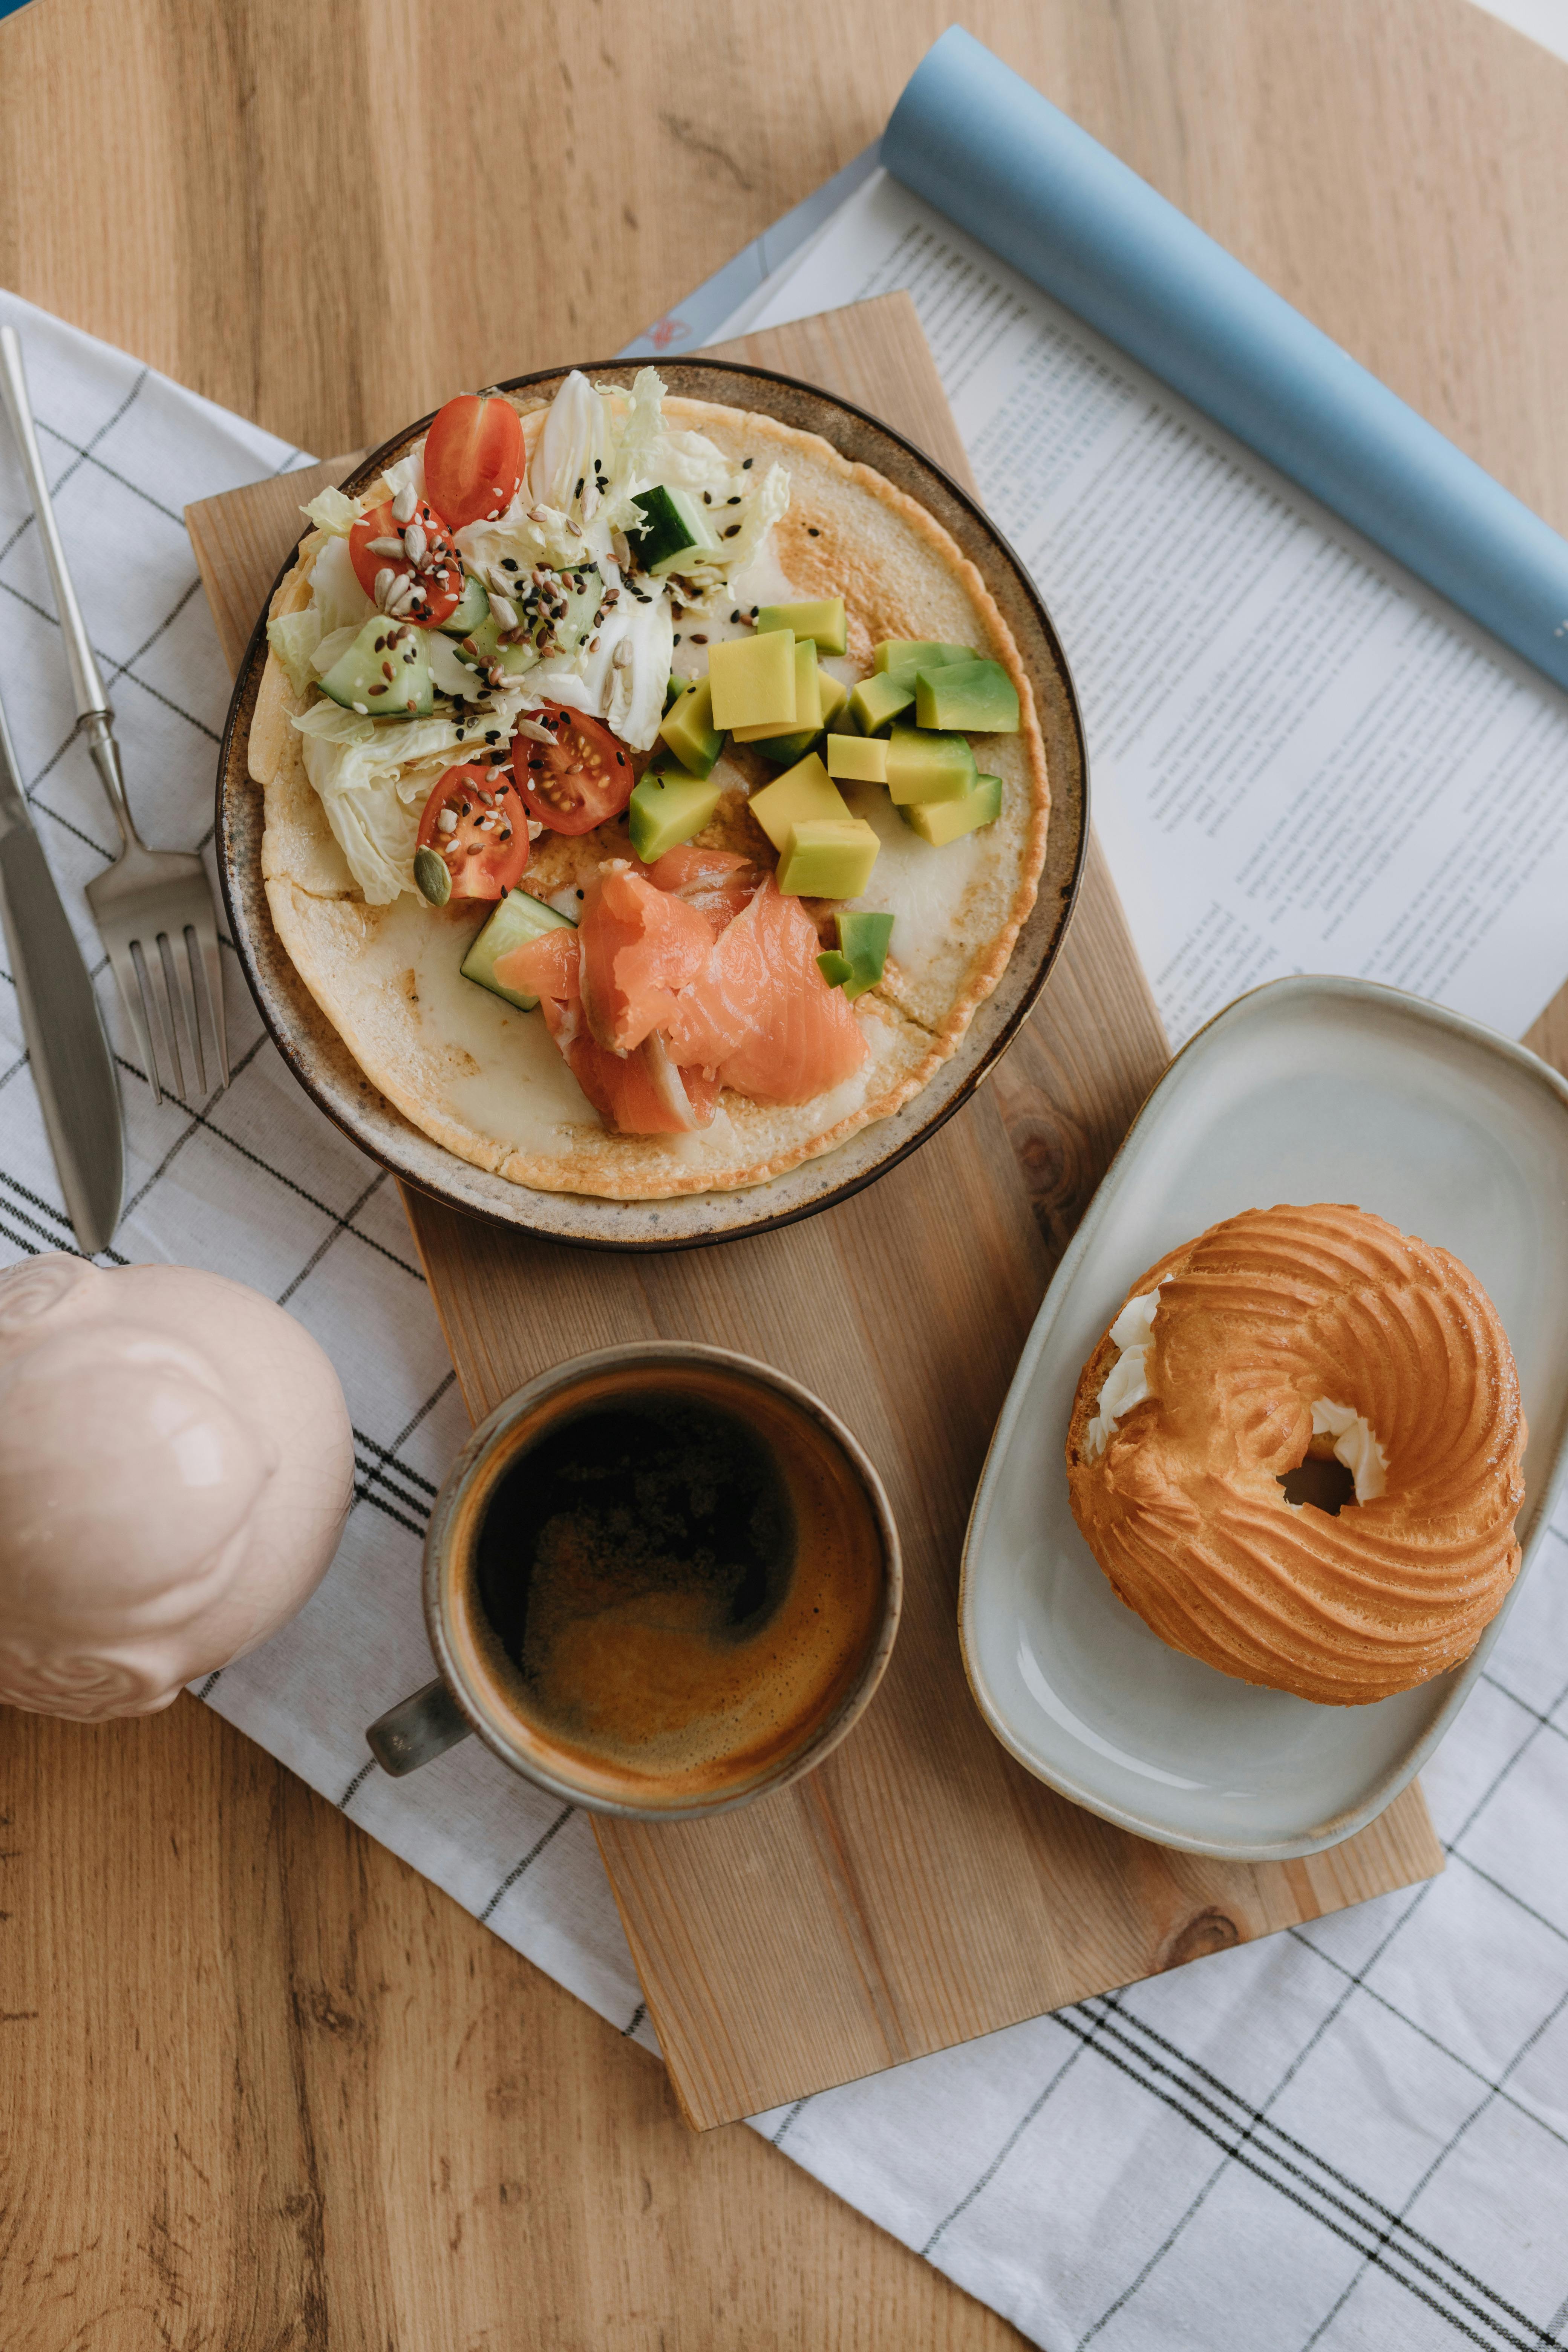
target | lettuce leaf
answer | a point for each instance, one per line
(331, 512)
(293, 637)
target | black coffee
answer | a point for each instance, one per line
(679, 1573)
(667, 1506)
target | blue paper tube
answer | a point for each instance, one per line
(980, 146)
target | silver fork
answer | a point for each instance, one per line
(154, 907)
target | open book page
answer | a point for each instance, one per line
(1300, 759)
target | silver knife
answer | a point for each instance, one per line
(72, 1067)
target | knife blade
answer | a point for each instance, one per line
(72, 1067)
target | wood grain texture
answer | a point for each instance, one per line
(921, 1888)
(178, 1905)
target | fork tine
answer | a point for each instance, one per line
(206, 937)
(161, 972)
(156, 1007)
(129, 983)
(180, 971)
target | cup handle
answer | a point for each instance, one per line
(417, 1729)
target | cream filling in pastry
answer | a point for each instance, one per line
(1127, 1383)
(1354, 1445)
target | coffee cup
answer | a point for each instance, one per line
(660, 1580)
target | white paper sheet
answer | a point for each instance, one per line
(1300, 759)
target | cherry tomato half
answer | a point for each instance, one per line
(576, 780)
(424, 591)
(473, 458)
(475, 825)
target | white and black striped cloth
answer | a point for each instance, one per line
(1354, 2134)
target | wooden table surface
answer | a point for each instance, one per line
(261, 2086)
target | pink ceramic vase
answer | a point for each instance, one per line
(176, 1468)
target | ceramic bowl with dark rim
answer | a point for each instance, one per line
(330, 1075)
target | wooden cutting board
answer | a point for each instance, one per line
(921, 1888)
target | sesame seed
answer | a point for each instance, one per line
(812, 531)
(746, 465)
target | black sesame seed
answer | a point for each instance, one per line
(508, 564)
(812, 531)
(731, 529)
(707, 498)
(735, 500)
(746, 465)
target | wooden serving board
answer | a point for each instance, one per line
(921, 1888)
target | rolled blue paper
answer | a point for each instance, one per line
(980, 146)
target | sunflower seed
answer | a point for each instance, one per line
(404, 504)
(392, 547)
(385, 580)
(414, 543)
(504, 609)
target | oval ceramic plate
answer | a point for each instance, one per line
(1305, 1090)
(322, 1063)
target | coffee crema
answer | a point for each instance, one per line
(672, 1574)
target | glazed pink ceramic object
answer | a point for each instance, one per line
(176, 1467)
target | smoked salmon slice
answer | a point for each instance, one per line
(715, 881)
(638, 1093)
(655, 1005)
(638, 946)
(760, 1014)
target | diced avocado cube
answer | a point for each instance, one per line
(808, 700)
(858, 759)
(822, 621)
(876, 702)
(752, 680)
(784, 749)
(688, 731)
(863, 937)
(978, 695)
(925, 767)
(518, 919)
(827, 858)
(902, 656)
(806, 794)
(385, 673)
(668, 806)
(836, 969)
(940, 822)
(674, 687)
(674, 528)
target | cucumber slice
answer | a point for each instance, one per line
(471, 609)
(482, 650)
(561, 634)
(674, 529)
(517, 919)
(384, 674)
